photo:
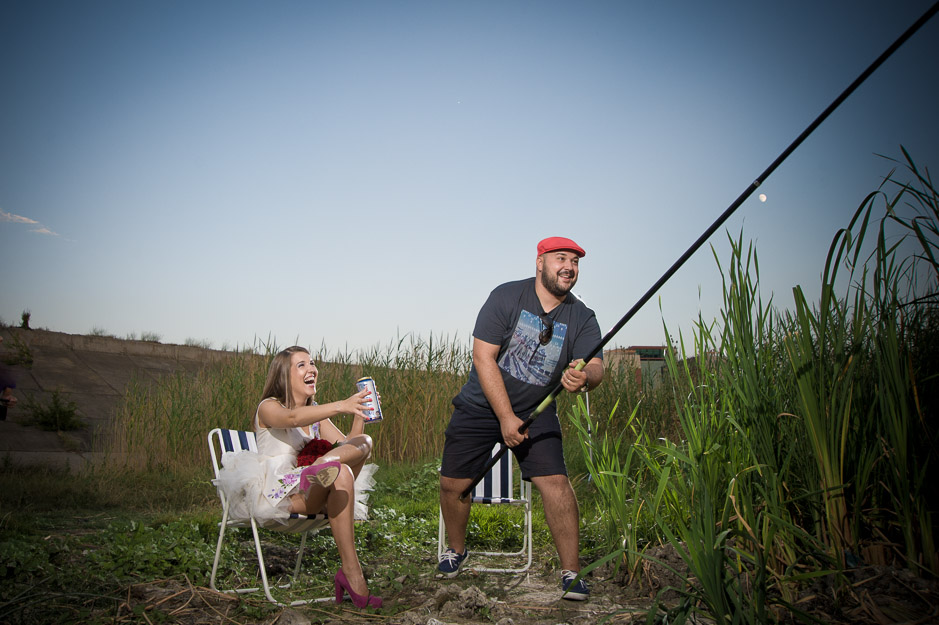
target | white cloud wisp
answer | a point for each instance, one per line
(19, 219)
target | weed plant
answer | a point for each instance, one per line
(21, 354)
(59, 415)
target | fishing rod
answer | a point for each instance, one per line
(713, 228)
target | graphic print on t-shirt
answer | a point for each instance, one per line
(526, 359)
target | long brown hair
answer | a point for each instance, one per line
(278, 377)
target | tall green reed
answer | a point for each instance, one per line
(416, 378)
(859, 388)
(805, 440)
(756, 388)
(163, 425)
(734, 481)
(903, 295)
(625, 387)
(695, 518)
(824, 348)
(611, 455)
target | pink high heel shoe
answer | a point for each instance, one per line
(359, 601)
(323, 474)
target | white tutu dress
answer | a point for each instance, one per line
(260, 484)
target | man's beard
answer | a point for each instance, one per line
(551, 284)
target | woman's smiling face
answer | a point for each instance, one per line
(303, 374)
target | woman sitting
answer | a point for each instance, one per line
(290, 426)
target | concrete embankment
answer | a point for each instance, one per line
(92, 372)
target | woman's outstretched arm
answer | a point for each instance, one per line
(273, 414)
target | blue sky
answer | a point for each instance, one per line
(348, 172)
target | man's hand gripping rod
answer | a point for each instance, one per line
(717, 224)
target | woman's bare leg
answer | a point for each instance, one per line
(354, 451)
(340, 508)
(338, 500)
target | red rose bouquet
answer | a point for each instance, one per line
(313, 450)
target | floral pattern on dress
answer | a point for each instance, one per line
(285, 484)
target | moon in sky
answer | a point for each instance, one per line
(762, 197)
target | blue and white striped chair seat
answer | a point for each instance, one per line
(498, 488)
(237, 441)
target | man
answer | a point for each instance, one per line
(529, 335)
(7, 384)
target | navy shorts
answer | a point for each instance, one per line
(472, 433)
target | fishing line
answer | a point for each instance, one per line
(713, 228)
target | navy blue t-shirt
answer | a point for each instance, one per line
(512, 319)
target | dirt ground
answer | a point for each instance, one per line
(468, 599)
(876, 596)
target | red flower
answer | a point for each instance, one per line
(313, 450)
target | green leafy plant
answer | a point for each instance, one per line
(23, 558)
(58, 415)
(135, 549)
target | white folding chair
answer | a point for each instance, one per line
(498, 488)
(237, 441)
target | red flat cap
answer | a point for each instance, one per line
(552, 244)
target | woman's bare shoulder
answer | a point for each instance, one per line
(269, 406)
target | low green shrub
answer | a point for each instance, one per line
(59, 415)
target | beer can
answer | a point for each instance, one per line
(373, 408)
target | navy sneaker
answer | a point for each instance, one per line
(451, 561)
(574, 591)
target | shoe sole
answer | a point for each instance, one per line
(575, 596)
(324, 477)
